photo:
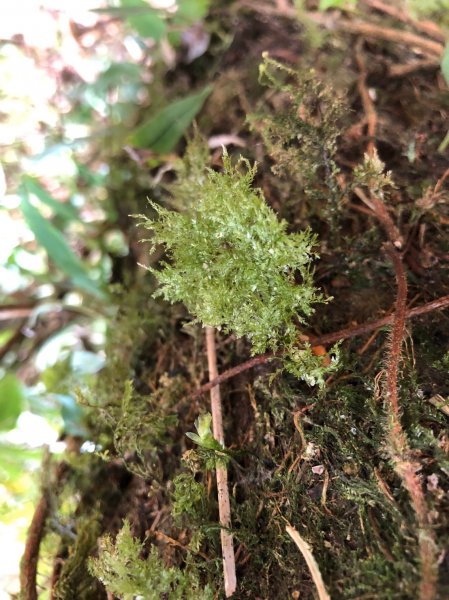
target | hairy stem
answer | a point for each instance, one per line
(398, 447)
(224, 506)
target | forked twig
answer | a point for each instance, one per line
(390, 34)
(224, 506)
(322, 340)
(427, 27)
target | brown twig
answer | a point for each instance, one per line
(397, 336)
(380, 211)
(397, 442)
(28, 565)
(368, 104)
(30, 557)
(418, 65)
(427, 27)
(390, 34)
(369, 30)
(323, 340)
(224, 506)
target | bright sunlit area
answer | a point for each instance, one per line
(69, 75)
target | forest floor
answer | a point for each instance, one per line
(359, 467)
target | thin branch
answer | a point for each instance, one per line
(418, 65)
(398, 331)
(427, 27)
(28, 564)
(36, 531)
(224, 506)
(390, 34)
(314, 569)
(323, 340)
(368, 104)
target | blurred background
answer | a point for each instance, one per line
(77, 76)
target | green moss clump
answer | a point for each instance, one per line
(301, 136)
(232, 262)
(126, 575)
(142, 427)
(75, 582)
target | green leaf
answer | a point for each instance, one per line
(205, 436)
(445, 63)
(146, 20)
(191, 11)
(15, 462)
(64, 210)
(72, 415)
(53, 242)
(163, 131)
(325, 4)
(11, 401)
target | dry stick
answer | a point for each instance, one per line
(370, 112)
(315, 572)
(419, 65)
(379, 210)
(323, 340)
(30, 557)
(390, 34)
(398, 445)
(224, 506)
(427, 27)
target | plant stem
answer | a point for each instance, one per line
(224, 506)
(398, 447)
(28, 565)
(36, 532)
(323, 340)
(314, 569)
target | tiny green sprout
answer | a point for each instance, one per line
(372, 174)
(204, 437)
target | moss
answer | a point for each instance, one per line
(301, 135)
(75, 581)
(316, 458)
(126, 575)
(231, 241)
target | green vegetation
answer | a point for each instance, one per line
(262, 223)
(235, 267)
(126, 575)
